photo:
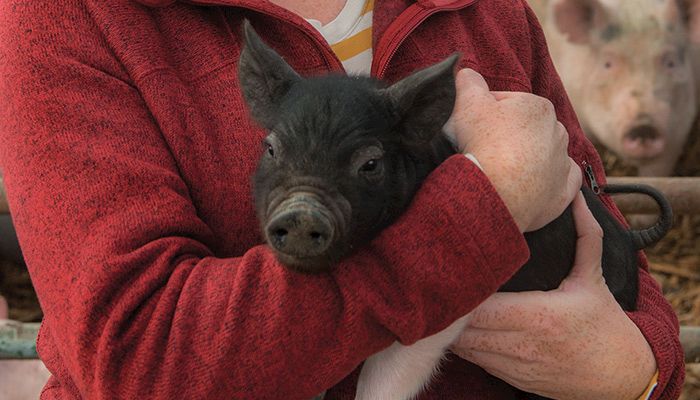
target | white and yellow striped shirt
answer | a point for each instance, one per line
(350, 36)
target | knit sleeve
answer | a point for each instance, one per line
(137, 306)
(654, 316)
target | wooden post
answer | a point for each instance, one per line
(4, 208)
(690, 340)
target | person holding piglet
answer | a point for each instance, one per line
(142, 240)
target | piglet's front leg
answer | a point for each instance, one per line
(401, 372)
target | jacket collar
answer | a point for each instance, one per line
(428, 4)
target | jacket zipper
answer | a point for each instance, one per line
(399, 30)
(332, 61)
(591, 177)
(395, 34)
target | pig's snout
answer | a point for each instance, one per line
(643, 141)
(300, 227)
(643, 132)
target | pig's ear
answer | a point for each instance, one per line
(265, 77)
(424, 100)
(578, 19)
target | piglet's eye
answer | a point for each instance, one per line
(367, 163)
(369, 166)
(270, 149)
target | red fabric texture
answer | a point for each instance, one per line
(127, 155)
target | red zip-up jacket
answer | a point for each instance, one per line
(127, 152)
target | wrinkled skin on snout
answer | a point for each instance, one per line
(343, 157)
(629, 68)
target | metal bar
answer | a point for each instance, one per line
(18, 340)
(683, 193)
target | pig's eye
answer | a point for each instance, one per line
(671, 60)
(608, 64)
(369, 166)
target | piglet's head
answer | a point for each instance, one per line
(343, 156)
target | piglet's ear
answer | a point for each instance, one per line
(579, 19)
(424, 100)
(265, 77)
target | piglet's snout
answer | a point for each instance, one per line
(300, 226)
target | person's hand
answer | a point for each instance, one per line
(574, 342)
(521, 147)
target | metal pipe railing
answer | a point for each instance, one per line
(18, 340)
(683, 193)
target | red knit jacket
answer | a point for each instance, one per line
(127, 153)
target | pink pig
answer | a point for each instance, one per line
(630, 70)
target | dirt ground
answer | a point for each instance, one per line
(675, 264)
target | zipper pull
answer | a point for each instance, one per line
(591, 177)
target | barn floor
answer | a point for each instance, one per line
(675, 264)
